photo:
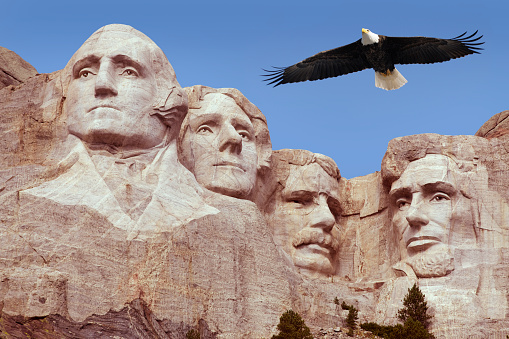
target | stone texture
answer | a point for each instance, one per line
(495, 127)
(13, 69)
(115, 220)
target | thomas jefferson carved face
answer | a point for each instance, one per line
(305, 218)
(426, 204)
(220, 146)
(111, 93)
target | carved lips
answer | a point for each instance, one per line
(103, 106)
(224, 163)
(421, 242)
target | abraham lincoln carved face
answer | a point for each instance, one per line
(430, 213)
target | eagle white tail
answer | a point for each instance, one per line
(390, 80)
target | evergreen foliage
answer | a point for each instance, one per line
(193, 334)
(351, 319)
(415, 307)
(413, 314)
(412, 329)
(291, 326)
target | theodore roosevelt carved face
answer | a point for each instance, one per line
(430, 212)
(305, 217)
(113, 89)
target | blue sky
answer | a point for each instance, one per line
(227, 43)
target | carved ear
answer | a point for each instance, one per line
(171, 106)
(264, 148)
(171, 98)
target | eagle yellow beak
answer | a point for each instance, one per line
(365, 31)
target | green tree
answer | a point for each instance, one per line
(291, 326)
(415, 306)
(351, 319)
(411, 329)
(413, 314)
(415, 329)
(193, 334)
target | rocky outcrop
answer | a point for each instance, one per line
(13, 69)
(134, 208)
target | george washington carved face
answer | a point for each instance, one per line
(112, 91)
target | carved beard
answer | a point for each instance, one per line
(429, 265)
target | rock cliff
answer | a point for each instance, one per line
(131, 207)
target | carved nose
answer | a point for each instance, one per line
(322, 216)
(416, 218)
(105, 83)
(230, 140)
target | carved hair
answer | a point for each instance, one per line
(282, 159)
(473, 156)
(402, 151)
(170, 103)
(197, 93)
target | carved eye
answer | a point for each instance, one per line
(402, 204)
(245, 135)
(440, 197)
(302, 201)
(129, 72)
(204, 130)
(84, 73)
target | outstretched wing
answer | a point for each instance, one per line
(422, 50)
(327, 64)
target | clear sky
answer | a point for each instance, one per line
(227, 43)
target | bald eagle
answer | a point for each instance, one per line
(378, 52)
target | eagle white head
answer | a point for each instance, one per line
(369, 37)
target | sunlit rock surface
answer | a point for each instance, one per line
(132, 207)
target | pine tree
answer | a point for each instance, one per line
(193, 334)
(351, 319)
(415, 329)
(415, 306)
(291, 326)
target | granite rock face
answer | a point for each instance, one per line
(131, 207)
(13, 69)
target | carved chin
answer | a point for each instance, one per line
(316, 263)
(429, 265)
(226, 181)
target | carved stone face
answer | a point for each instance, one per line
(422, 202)
(111, 93)
(220, 146)
(305, 218)
(426, 204)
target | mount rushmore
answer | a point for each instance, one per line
(131, 206)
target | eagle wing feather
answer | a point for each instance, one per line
(327, 64)
(423, 50)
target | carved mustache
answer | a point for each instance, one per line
(315, 236)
